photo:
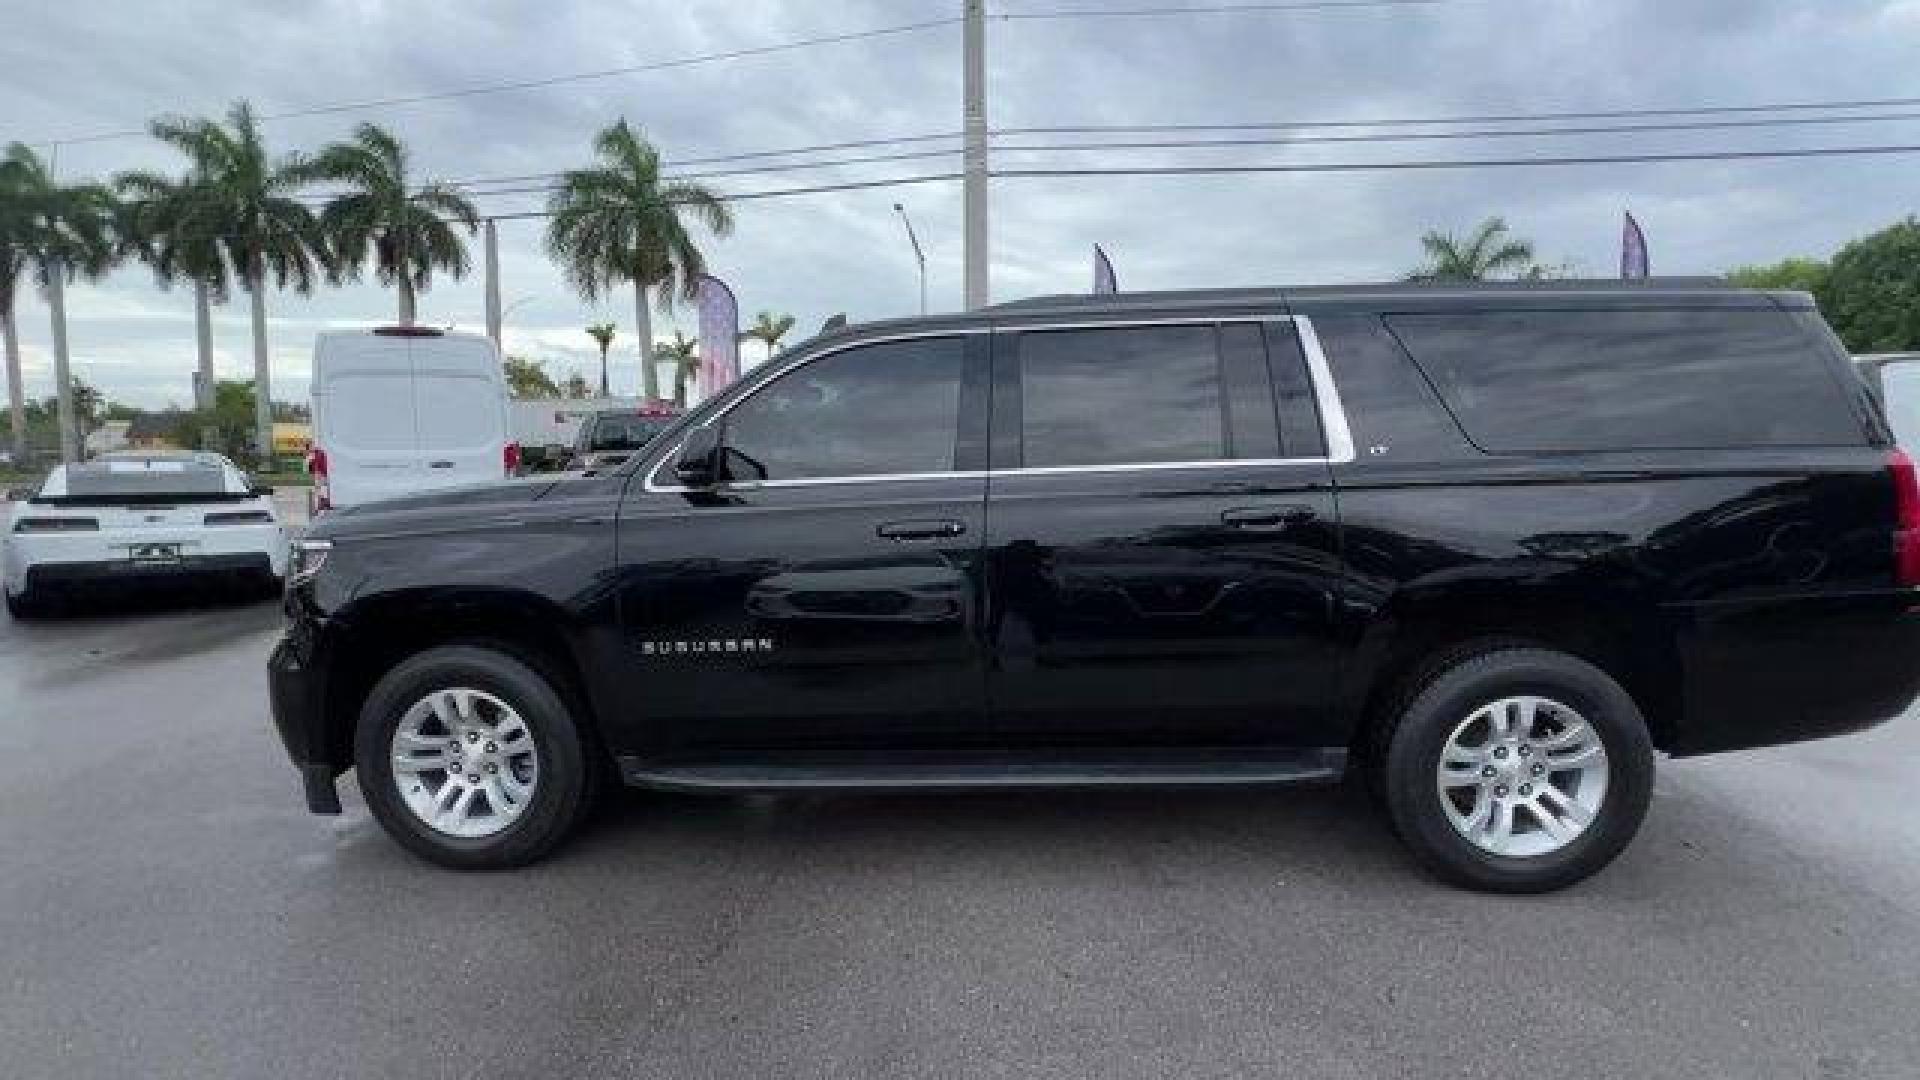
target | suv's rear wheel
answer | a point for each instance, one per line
(1518, 770)
(471, 758)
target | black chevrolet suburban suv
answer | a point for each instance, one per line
(1489, 547)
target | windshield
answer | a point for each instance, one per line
(625, 432)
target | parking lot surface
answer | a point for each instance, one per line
(168, 908)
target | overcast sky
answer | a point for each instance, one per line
(75, 69)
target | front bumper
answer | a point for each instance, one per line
(296, 686)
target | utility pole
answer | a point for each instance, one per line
(974, 157)
(918, 255)
(493, 284)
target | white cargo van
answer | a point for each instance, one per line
(400, 410)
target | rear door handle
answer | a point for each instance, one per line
(439, 464)
(1267, 518)
(920, 530)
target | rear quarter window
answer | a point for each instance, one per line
(1550, 382)
(1394, 414)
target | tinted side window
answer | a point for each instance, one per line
(1391, 409)
(1573, 381)
(1121, 395)
(890, 407)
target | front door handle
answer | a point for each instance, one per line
(920, 530)
(439, 464)
(1267, 518)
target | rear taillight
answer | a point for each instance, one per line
(511, 458)
(1906, 502)
(56, 524)
(322, 489)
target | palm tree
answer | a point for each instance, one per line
(160, 226)
(409, 231)
(602, 334)
(768, 329)
(684, 353)
(1483, 255)
(14, 220)
(59, 234)
(244, 205)
(619, 223)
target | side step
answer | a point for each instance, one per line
(986, 770)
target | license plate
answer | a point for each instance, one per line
(155, 553)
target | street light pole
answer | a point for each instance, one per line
(918, 255)
(974, 153)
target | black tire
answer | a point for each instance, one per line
(560, 795)
(1454, 692)
(25, 607)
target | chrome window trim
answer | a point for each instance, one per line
(1333, 416)
(1333, 412)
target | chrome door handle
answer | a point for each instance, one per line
(1267, 518)
(920, 530)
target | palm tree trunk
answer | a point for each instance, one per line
(604, 392)
(16, 386)
(70, 450)
(407, 306)
(203, 342)
(262, 377)
(643, 324)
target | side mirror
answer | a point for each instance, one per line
(20, 494)
(260, 491)
(699, 463)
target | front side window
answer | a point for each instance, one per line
(887, 408)
(1122, 395)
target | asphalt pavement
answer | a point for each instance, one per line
(169, 909)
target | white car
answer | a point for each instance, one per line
(131, 518)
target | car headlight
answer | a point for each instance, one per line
(308, 557)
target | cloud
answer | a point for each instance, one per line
(107, 66)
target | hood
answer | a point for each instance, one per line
(471, 504)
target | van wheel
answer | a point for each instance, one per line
(1518, 770)
(25, 606)
(470, 758)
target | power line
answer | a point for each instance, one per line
(548, 181)
(559, 80)
(749, 196)
(1374, 166)
(1493, 118)
(1212, 9)
(1463, 163)
(720, 158)
(1482, 133)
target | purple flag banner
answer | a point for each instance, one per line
(1633, 250)
(1103, 281)
(719, 336)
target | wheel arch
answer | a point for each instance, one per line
(1616, 626)
(381, 631)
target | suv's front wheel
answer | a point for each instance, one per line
(1518, 770)
(471, 758)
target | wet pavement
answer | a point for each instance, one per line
(167, 908)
